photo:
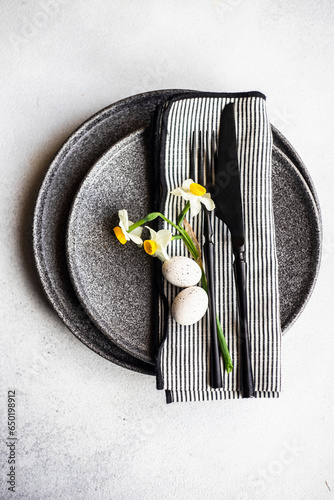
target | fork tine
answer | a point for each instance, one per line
(203, 156)
(201, 165)
(208, 161)
(193, 155)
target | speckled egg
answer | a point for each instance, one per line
(190, 305)
(181, 271)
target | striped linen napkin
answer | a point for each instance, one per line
(183, 358)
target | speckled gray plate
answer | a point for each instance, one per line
(114, 282)
(63, 177)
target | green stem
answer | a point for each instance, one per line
(149, 218)
(183, 213)
(203, 281)
(170, 222)
(223, 347)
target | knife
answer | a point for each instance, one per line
(227, 197)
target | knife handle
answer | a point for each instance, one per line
(247, 383)
(215, 367)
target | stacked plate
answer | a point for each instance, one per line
(103, 291)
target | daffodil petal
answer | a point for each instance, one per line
(136, 239)
(161, 254)
(186, 184)
(124, 229)
(187, 195)
(136, 231)
(195, 206)
(207, 201)
(153, 234)
(163, 237)
(177, 191)
(123, 217)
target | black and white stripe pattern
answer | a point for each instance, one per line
(183, 361)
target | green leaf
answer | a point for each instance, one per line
(224, 349)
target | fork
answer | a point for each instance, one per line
(205, 170)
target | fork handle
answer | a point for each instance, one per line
(240, 267)
(215, 367)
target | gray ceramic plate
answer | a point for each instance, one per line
(114, 283)
(62, 179)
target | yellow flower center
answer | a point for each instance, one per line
(197, 189)
(120, 235)
(150, 247)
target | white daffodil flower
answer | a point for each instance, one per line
(195, 194)
(156, 246)
(121, 231)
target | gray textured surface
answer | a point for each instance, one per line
(87, 428)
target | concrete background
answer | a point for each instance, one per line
(89, 429)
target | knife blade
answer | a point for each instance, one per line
(227, 197)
